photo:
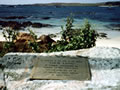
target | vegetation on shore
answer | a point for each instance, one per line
(109, 3)
(72, 39)
(112, 3)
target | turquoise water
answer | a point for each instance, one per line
(98, 25)
(101, 18)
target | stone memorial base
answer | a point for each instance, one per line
(16, 68)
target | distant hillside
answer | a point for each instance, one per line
(115, 3)
(70, 4)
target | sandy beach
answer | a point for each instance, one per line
(114, 42)
(112, 39)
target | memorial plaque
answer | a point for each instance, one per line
(61, 68)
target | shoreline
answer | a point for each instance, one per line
(112, 39)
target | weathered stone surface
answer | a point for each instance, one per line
(2, 82)
(104, 62)
(61, 68)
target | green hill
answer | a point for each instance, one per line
(115, 3)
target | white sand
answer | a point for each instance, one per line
(112, 41)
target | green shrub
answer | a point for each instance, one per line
(10, 36)
(59, 46)
(68, 28)
(73, 39)
(33, 44)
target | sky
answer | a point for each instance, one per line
(49, 1)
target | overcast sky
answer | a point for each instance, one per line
(48, 1)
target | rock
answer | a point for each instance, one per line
(2, 82)
(113, 26)
(21, 44)
(46, 18)
(11, 6)
(13, 24)
(45, 39)
(39, 25)
(17, 71)
(13, 17)
(52, 35)
(20, 25)
(44, 42)
(102, 35)
(25, 36)
(104, 63)
(27, 24)
(23, 40)
(115, 19)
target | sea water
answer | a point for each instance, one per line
(101, 18)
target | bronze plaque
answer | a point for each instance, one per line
(61, 68)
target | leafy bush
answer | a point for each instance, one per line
(10, 36)
(33, 44)
(69, 25)
(73, 39)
